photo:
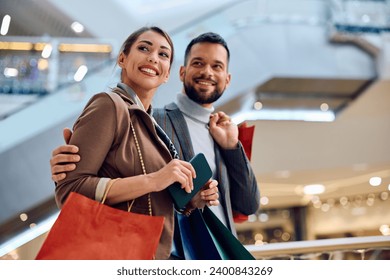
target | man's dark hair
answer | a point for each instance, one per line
(209, 37)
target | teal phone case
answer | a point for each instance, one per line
(203, 174)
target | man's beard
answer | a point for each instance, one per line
(200, 98)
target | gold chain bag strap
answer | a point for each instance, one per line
(143, 168)
(119, 102)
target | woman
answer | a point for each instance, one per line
(108, 148)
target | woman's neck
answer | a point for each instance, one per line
(146, 98)
(143, 96)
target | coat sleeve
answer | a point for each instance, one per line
(244, 191)
(93, 133)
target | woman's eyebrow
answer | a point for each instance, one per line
(151, 44)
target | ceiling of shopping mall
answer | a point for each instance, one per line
(287, 57)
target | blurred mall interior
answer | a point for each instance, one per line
(312, 77)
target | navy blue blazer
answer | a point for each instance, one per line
(236, 181)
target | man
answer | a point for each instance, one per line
(193, 128)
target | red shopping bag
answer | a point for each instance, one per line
(245, 135)
(89, 230)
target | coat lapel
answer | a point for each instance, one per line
(180, 126)
(143, 117)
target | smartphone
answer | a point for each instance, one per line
(203, 174)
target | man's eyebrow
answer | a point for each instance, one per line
(151, 44)
(201, 58)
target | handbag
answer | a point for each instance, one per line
(205, 237)
(90, 230)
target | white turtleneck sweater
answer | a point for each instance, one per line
(197, 118)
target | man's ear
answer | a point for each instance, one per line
(182, 73)
(228, 79)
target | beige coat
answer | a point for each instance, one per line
(107, 149)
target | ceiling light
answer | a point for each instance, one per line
(95, 48)
(286, 236)
(313, 189)
(252, 218)
(46, 52)
(325, 207)
(263, 217)
(77, 27)
(80, 73)
(264, 200)
(39, 46)
(43, 64)
(259, 236)
(343, 200)
(16, 46)
(11, 72)
(315, 199)
(384, 229)
(284, 114)
(324, 107)
(23, 217)
(258, 105)
(375, 181)
(384, 196)
(5, 25)
(317, 204)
